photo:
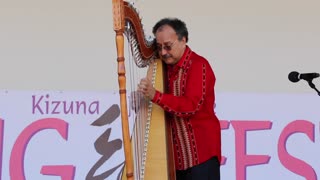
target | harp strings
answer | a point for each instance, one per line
(140, 114)
(140, 110)
(139, 117)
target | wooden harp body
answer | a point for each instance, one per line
(155, 157)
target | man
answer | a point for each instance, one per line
(189, 102)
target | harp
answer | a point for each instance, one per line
(148, 153)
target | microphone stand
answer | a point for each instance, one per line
(313, 86)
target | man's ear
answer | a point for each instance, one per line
(184, 40)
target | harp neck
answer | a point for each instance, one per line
(145, 48)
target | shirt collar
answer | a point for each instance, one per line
(185, 57)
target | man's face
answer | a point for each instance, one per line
(169, 46)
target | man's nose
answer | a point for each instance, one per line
(163, 51)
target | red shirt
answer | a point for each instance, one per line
(190, 105)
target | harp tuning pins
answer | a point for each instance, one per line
(149, 38)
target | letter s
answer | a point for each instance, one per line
(291, 163)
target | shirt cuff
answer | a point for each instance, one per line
(157, 96)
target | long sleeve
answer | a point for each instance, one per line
(190, 89)
(189, 100)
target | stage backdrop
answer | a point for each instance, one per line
(72, 135)
(70, 44)
(269, 131)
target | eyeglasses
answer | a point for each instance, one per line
(166, 47)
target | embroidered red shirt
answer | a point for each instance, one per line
(190, 105)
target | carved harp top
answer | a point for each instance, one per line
(126, 20)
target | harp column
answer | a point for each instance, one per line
(118, 22)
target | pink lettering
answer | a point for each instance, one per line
(66, 172)
(224, 125)
(19, 147)
(291, 163)
(242, 159)
(1, 144)
(44, 105)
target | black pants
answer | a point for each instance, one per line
(209, 170)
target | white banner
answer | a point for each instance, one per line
(49, 135)
(270, 136)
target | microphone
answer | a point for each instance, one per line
(294, 76)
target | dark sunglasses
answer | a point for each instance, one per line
(166, 47)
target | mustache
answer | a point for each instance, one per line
(166, 56)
